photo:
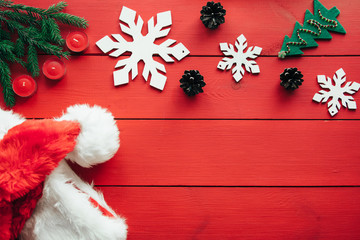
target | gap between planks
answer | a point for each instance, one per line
(219, 119)
(218, 186)
(220, 55)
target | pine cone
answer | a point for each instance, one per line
(291, 78)
(212, 15)
(192, 82)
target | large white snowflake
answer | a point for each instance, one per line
(239, 58)
(142, 48)
(336, 92)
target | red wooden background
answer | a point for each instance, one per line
(244, 160)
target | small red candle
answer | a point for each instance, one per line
(77, 41)
(54, 69)
(24, 86)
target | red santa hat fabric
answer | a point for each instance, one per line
(28, 153)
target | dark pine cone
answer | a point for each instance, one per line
(192, 82)
(291, 78)
(212, 15)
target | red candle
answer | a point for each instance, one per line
(24, 86)
(53, 68)
(77, 41)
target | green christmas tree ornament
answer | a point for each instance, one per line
(316, 26)
(24, 32)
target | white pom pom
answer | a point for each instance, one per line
(98, 140)
(8, 119)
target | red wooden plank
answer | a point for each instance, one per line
(238, 213)
(264, 23)
(89, 80)
(233, 153)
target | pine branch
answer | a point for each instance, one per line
(4, 35)
(52, 12)
(28, 9)
(5, 80)
(6, 50)
(37, 30)
(32, 36)
(26, 34)
(50, 49)
(55, 8)
(17, 17)
(70, 19)
(32, 64)
(13, 26)
(19, 48)
(51, 31)
(5, 3)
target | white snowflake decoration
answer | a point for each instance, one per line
(239, 58)
(142, 48)
(336, 92)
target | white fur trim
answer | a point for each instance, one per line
(9, 119)
(99, 137)
(66, 213)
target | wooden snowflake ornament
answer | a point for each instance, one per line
(239, 58)
(142, 48)
(336, 92)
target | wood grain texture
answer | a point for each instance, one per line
(264, 23)
(89, 80)
(233, 153)
(238, 213)
(240, 161)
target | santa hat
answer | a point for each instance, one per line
(30, 150)
(28, 153)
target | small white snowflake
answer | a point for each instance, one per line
(336, 92)
(239, 58)
(142, 48)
